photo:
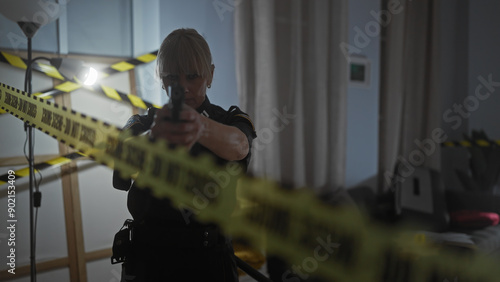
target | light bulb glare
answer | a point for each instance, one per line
(91, 77)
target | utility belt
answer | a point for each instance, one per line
(161, 234)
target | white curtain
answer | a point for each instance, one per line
(292, 81)
(410, 111)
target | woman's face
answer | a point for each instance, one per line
(194, 87)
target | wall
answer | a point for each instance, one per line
(468, 49)
(362, 102)
(469, 58)
(51, 232)
(454, 85)
(114, 28)
(215, 22)
(100, 27)
(103, 208)
(484, 61)
(12, 37)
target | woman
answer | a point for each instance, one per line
(167, 245)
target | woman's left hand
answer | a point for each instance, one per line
(186, 132)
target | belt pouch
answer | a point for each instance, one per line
(122, 244)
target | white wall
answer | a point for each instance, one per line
(484, 60)
(100, 27)
(215, 22)
(362, 102)
(469, 50)
(51, 215)
(454, 83)
(12, 37)
(216, 26)
(103, 208)
(95, 27)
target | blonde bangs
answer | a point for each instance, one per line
(184, 51)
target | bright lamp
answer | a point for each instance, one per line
(31, 14)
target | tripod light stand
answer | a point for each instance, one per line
(30, 15)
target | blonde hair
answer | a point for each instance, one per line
(184, 51)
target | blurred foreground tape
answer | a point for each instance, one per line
(317, 240)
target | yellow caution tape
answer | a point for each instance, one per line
(21, 63)
(48, 70)
(137, 102)
(122, 66)
(52, 163)
(317, 240)
(23, 172)
(467, 143)
(111, 93)
(69, 86)
(104, 90)
(146, 58)
(130, 64)
(13, 60)
(449, 144)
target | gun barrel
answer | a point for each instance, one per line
(176, 100)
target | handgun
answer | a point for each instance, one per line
(176, 100)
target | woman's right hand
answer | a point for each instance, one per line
(185, 132)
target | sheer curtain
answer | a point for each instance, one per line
(410, 111)
(292, 81)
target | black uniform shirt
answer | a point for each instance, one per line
(143, 206)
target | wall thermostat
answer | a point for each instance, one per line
(359, 71)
